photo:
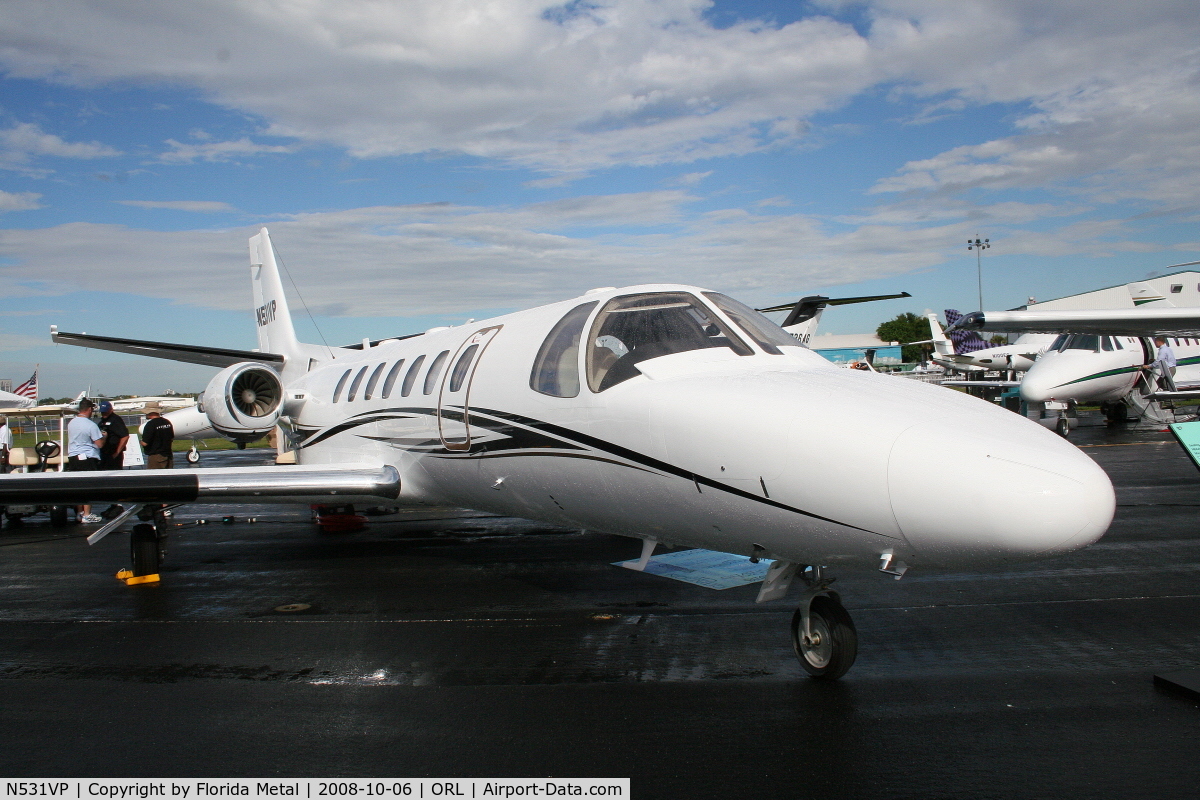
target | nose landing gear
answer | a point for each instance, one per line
(823, 634)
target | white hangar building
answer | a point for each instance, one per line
(1181, 288)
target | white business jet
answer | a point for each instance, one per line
(667, 413)
(1101, 355)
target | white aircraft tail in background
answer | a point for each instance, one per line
(943, 346)
(1143, 294)
(804, 315)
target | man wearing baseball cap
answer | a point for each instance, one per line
(112, 454)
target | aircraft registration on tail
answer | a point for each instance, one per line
(667, 413)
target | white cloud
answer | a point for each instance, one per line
(441, 258)
(23, 142)
(1104, 100)
(201, 206)
(629, 81)
(181, 153)
(1109, 104)
(19, 201)
(690, 178)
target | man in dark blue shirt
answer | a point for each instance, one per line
(112, 453)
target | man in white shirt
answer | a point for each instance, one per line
(1164, 363)
(84, 438)
(6, 444)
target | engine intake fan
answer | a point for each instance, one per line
(244, 399)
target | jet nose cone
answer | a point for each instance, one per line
(1034, 389)
(1015, 491)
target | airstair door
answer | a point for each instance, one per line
(454, 416)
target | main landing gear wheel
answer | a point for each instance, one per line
(144, 549)
(58, 516)
(832, 646)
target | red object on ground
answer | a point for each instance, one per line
(338, 519)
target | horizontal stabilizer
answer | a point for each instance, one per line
(320, 483)
(208, 356)
(841, 301)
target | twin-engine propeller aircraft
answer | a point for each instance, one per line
(666, 413)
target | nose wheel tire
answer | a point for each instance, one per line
(1063, 428)
(833, 645)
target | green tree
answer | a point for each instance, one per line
(907, 327)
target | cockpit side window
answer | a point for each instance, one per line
(556, 368)
(769, 336)
(640, 327)
(1058, 343)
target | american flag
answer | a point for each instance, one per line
(28, 388)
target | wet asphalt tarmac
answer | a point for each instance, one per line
(445, 643)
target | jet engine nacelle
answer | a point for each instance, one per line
(243, 402)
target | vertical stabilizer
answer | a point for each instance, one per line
(942, 345)
(803, 319)
(271, 314)
(1143, 294)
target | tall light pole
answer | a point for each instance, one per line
(979, 245)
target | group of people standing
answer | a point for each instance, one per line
(94, 447)
(99, 446)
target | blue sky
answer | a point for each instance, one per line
(420, 164)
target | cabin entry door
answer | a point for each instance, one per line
(454, 399)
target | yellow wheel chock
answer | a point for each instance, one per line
(127, 577)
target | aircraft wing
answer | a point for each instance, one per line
(1142, 321)
(305, 484)
(989, 384)
(31, 411)
(208, 356)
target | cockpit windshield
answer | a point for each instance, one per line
(767, 334)
(1081, 341)
(639, 327)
